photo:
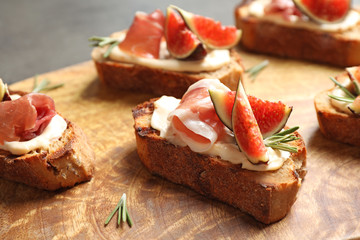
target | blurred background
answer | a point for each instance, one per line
(39, 36)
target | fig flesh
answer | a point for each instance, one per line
(324, 11)
(210, 32)
(270, 116)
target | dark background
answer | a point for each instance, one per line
(39, 36)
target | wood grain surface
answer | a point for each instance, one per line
(328, 204)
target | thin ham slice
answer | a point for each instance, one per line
(144, 35)
(195, 121)
(25, 118)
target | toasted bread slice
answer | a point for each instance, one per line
(334, 124)
(133, 77)
(67, 162)
(262, 36)
(268, 196)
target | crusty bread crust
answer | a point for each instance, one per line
(268, 196)
(339, 49)
(137, 78)
(67, 162)
(334, 124)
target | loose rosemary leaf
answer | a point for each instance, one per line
(255, 70)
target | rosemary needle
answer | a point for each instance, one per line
(108, 51)
(44, 85)
(255, 70)
(128, 218)
(103, 41)
(119, 212)
(113, 212)
(124, 209)
(343, 88)
(341, 99)
(279, 140)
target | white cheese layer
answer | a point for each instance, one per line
(256, 8)
(227, 150)
(53, 131)
(214, 60)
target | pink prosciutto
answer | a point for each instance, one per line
(195, 121)
(286, 8)
(144, 36)
(25, 118)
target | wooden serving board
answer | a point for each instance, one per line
(328, 204)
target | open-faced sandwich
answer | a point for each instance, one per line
(38, 147)
(325, 31)
(225, 145)
(166, 54)
(338, 109)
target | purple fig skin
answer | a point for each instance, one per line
(198, 54)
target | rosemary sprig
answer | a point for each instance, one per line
(123, 213)
(343, 88)
(103, 41)
(44, 85)
(280, 140)
(255, 70)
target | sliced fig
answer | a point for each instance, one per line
(181, 42)
(354, 74)
(270, 116)
(324, 11)
(354, 107)
(210, 32)
(246, 130)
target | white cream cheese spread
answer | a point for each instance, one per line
(257, 9)
(53, 131)
(227, 149)
(215, 59)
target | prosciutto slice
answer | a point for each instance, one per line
(25, 118)
(195, 121)
(144, 35)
